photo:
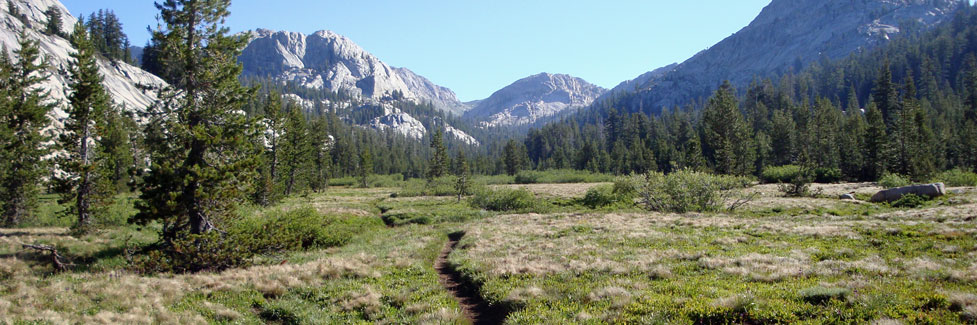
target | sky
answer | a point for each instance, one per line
(478, 47)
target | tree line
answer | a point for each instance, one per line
(909, 107)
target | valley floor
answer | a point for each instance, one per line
(777, 260)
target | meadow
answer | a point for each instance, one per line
(536, 253)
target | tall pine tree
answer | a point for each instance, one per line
(86, 184)
(727, 135)
(24, 114)
(197, 135)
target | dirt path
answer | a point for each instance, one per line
(476, 309)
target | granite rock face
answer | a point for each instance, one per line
(326, 60)
(130, 87)
(534, 98)
(787, 35)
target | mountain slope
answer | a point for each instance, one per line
(787, 35)
(533, 98)
(129, 86)
(331, 61)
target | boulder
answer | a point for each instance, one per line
(848, 197)
(894, 194)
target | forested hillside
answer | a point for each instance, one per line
(909, 107)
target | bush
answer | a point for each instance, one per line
(686, 191)
(893, 180)
(799, 185)
(909, 201)
(780, 174)
(827, 175)
(956, 178)
(443, 186)
(506, 200)
(527, 177)
(821, 295)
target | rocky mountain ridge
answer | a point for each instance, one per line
(534, 98)
(326, 60)
(786, 36)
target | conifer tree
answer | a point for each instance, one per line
(876, 143)
(365, 167)
(24, 114)
(727, 135)
(53, 25)
(197, 135)
(885, 94)
(438, 165)
(462, 184)
(321, 160)
(512, 158)
(86, 185)
(296, 148)
(853, 146)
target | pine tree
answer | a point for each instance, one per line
(296, 148)
(876, 143)
(438, 165)
(727, 135)
(54, 22)
(823, 134)
(885, 94)
(24, 114)
(853, 146)
(512, 158)
(86, 185)
(365, 167)
(462, 184)
(197, 135)
(322, 162)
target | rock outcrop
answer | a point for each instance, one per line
(787, 35)
(326, 60)
(534, 98)
(129, 86)
(894, 194)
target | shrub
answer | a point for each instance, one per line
(820, 295)
(827, 175)
(555, 176)
(442, 186)
(506, 200)
(599, 196)
(527, 177)
(893, 180)
(799, 185)
(780, 174)
(686, 191)
(909, 201)
(956, 178)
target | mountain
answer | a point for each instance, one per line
(129, 86)
(534, 98)
(788, 35)
(326, 60)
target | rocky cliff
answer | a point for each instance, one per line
(326, 60)
(129, 86)
(787, 35)
(534, 98)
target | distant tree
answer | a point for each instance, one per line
(885, 94)
(54, 22)
(852, 146)
(296, 147)
(876, 143)
(438, 166)
(512, 157)
(463, 184)
(24, 112)
(365, 167)
(321, 160)
(86, 186)
(727, 134)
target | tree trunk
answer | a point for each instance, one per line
(84, 186)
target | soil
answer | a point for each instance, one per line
(476, 309)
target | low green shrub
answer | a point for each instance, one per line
(780, 174)
(560, 176)
(820, 295)
(444, 186)
(599, 196)
(622, 192)
(686, 191)
(956, 178)
(507, 200)
(528, 177)
(909, 201)
(893, 180)
(827, 175)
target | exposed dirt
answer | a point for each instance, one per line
(476, 309)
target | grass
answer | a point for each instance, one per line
(541, 252)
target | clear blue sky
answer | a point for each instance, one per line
(478, 47)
